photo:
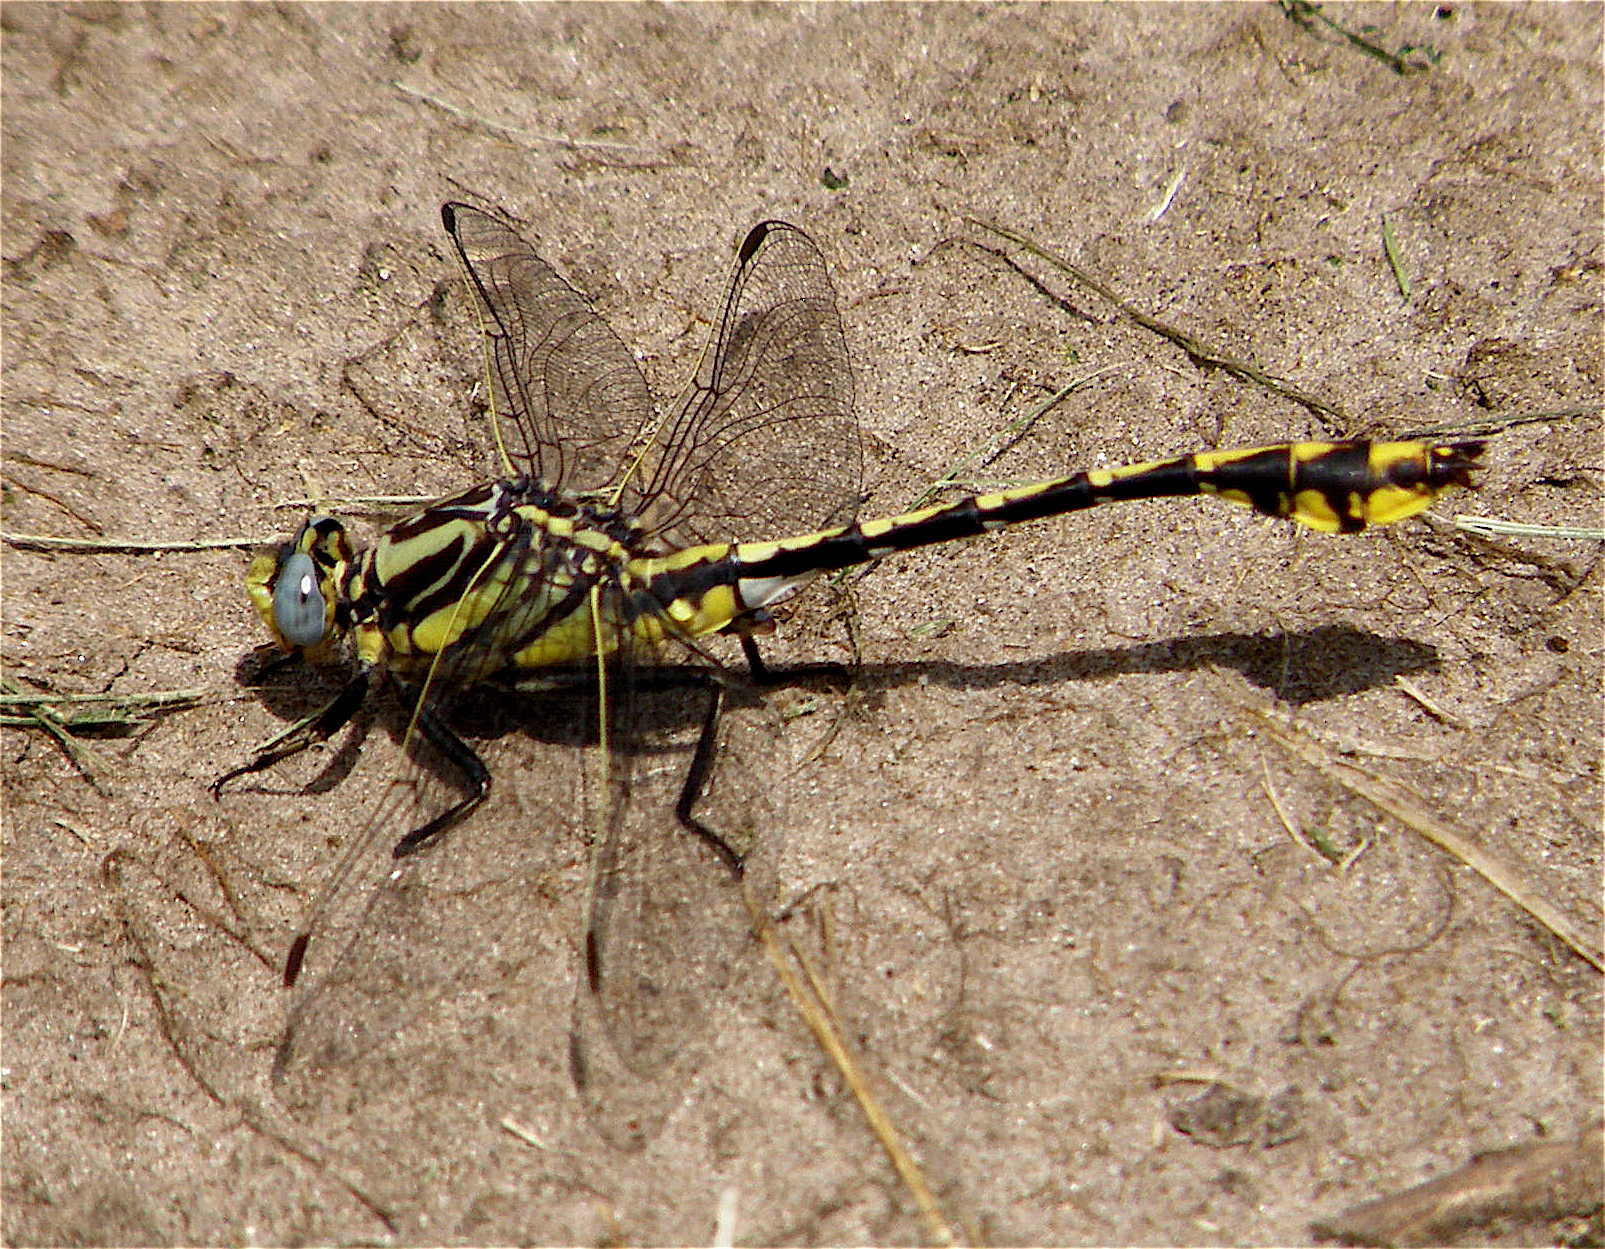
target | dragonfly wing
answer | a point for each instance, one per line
(667, 926)
(569, 398)
(766, 442)
(358, 984)
(390, 939)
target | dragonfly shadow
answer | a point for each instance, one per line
(1309, 666)
(286, 685)
(408, 945)
(1300, 668)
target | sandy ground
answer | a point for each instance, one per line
(1037, 853)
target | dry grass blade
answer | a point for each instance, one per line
(1390, 245)
(104, 714)
(1525, 1190)
(621, 155)
(84, 758)
(1200, 352)
(98, 546)
(1489, 527)
(811, 998)
(1500, 424)
(1406, 808)
(1001, 441)
(100, 710)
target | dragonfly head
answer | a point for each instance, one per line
(295, 588)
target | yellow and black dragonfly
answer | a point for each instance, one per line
(590, 574)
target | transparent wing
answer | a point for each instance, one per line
(395, 944)
(388, 939)
(385, 936)
(765, 444)
(667, 925)
(569, 398)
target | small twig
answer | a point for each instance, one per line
(1505, 1194)
(811, 998)
(1404, 807)
(1198, 351)
(1307, 14)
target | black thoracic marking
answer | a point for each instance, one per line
(573, 599)
(431, 581)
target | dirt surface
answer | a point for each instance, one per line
(1053, 868)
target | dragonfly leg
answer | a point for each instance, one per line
(696, 778)
(461, 756)
(755, 661)
(318, 727)
(764, 676)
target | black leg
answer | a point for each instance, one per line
(696, 778)
(755, 663)
(311, 731)
(461, 756)
(764, 676)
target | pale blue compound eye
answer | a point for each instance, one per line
(298, 602)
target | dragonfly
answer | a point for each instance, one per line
(593, 575)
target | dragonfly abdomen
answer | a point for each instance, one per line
(1334, 487)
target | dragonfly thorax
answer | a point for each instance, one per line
(505, 574)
